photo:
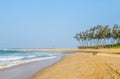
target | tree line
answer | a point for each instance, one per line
(99, 35)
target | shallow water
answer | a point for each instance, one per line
(10, 58)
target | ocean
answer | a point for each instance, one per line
(9, 58)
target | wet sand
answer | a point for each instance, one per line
(83, 66)
(26, 71)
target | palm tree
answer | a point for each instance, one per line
(77, 36)
(106, 33)
(99, 35)
(116, 33)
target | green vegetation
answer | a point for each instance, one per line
(99, 36)
(116, 45)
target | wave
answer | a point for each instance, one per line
(10, 58)
(2, 66)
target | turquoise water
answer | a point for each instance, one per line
(12, 57)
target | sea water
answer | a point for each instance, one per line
(10, 58)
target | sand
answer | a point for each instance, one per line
(83, 66)
(109, 50)
(106, 50)
(26, 71)
(47, 49)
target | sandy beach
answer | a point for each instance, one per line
(79, 65)
(83, 66)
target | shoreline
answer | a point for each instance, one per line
(24, 62)
(27, 70)
(58, 68)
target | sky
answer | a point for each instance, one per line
(52, 23)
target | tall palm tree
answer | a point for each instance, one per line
(77, 36)
(116, 33)
(99, 35)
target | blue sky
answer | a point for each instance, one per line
(52, 23)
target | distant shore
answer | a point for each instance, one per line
(103, 50)
(44, 49)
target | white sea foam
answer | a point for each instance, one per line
(10, 58)
(23, 62)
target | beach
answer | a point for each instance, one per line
(80, 64)
(83, 66)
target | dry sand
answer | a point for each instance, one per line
(83, 66)
(110, 50)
